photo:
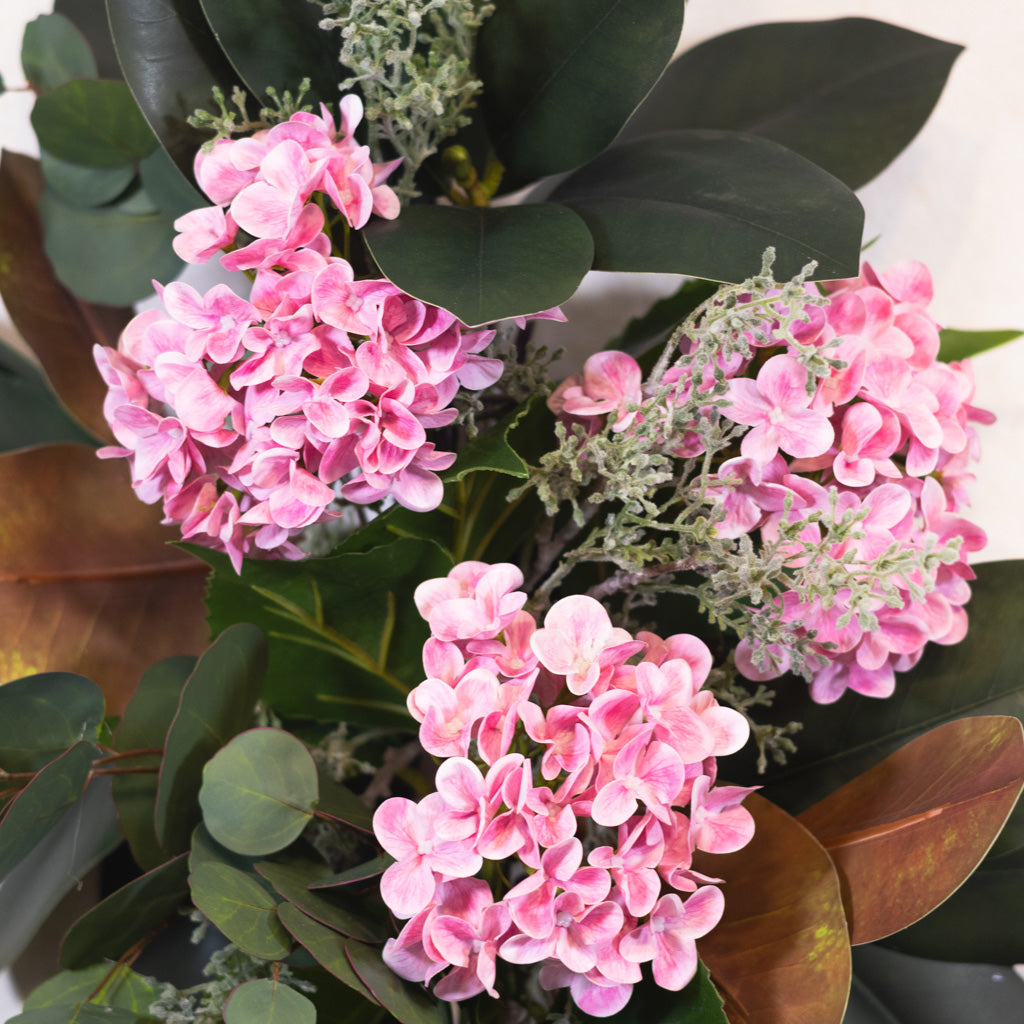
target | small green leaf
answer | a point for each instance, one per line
(114, 925)
(53, 52)
(259, 792)
(42, 803)
(560, 79)
(136, 250)
(955, 345)
(708, 203)
(268, 1002)
(848, 94)
(487, 263)
(491, 451)
(118, 986)
(240, 908)
(42, 715)
(216, 704)
(92, 122)
(85, 186)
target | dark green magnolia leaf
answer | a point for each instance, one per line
(85, 186)
(171, 62)
(345, 637)
(241, 908)
(118, 986)
(216, 704)
(698, 1003)
(171, 192)
(292, 880)
(561, 79)
(406, 1002)
(848, 94)
(42, 716)
(487, 263)
(126, 916)
(268, 1002)
(41, 804)
(90, 18)
(144, 726)
(259, 792)
(275, 43)
(933, 808)
(708, 203)
(136, 250)
(955, 345)
(53, 52)
(92, 122)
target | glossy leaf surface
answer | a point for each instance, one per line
(907, 833)
(708, 203)
(848, 94)
(144, 726)
(484, 264)
(171, 62)
(259, 792)
(268, 1002)
(780, 954)
(42, 716)
(216, 704)
(126, 916)
(954, 345)
(241, 909)
(53, 51)
(561, 79)
(42, 803)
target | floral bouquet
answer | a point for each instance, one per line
(626, 687)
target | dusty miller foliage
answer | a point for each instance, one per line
(648, 515)
(227, 122)
(412, 63)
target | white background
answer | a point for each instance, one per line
(952, 199)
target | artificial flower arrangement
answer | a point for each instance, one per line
(483, 732)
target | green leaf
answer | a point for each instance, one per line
(933, 807)
(85, 186)
(848, 94)
(136, 250)
(171, 62)
(292, 880)
(41, 716)
(90, 18)
(268, 1002)
(83, 1013)
(561, 79)
(324, 619)
(241, 908)
(53, 52)
(92, 122)
(487, 263)
(115, 924)
(955, 345)
(259, 792)
(360, 873)
(118, 986)
(698, 1003)
(708, 203)
(278, 44)
(42, 803)
(173, 194)
(649, 332)
(491, 452)
(406, 1002)
(144, 726)
(216, 704)
(339, 802)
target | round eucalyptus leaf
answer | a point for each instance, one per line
(268, 1002)
(259, 792)
(85, 186)
(53, 52)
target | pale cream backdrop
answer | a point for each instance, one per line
(952, 199)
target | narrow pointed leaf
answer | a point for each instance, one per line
(954, 345)
(561, 79)
(126, 916)
(259, 791)
(337, 801)
(53, 52)
(781, 952)
(216, 704)
(708, 203)
(407, 1003)
(360, 873)
(268, 1002)
(907, 833)
(119, 987)
(848, 94)
(487, 263)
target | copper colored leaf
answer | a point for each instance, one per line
(908, 832)
(88, 583)
(780, 954)
(59, 328)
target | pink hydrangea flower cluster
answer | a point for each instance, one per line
(578, 778)
(892, 431)
(248, 416)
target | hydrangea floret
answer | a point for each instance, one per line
(578, 779)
